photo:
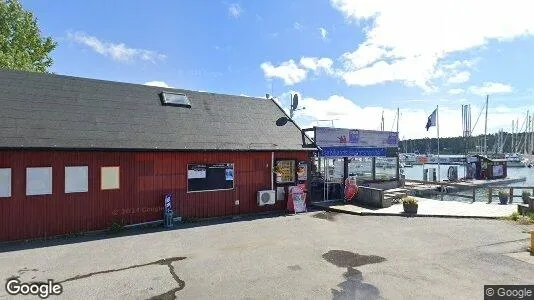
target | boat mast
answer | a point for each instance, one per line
(486, 128)
(532, 137)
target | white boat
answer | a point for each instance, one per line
(515, 161)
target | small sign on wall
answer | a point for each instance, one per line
(280, 193)
(302, 171)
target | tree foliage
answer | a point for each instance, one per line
(21, 44)
(461, 145)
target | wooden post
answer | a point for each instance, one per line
(474, 192)
(511, 195)
(490, 195)
(532, 242)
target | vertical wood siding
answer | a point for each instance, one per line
(145, 177)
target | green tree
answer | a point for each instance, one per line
(21, 44)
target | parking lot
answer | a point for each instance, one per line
(313, 255)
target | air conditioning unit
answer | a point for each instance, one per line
(266, 197)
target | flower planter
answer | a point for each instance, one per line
(410, 208)
(503, 200)
(525, 198)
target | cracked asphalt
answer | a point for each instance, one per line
(313, 255)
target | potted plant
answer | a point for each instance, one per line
(525, 195)
(410, 205)
(503, 196)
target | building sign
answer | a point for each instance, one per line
(341, 137)
(353, 151)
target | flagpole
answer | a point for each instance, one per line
(437, 127)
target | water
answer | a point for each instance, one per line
(416, 173)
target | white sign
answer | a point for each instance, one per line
(195, 174)
(76, 179)
(39, 181)
(342, 137)
(5, 182)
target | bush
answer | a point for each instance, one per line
(116, 227)
(409, 200)
(503, 194)
(514, 216)
(524, 196)
(520, 219)
(524, 220)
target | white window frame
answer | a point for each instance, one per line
(118, 180)
(79, 183)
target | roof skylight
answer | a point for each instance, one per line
(174, 99)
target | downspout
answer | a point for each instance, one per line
(272, 168)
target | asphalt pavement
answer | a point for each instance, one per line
(314, 255)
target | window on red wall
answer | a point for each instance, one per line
(39, 181)
(5, 182)
(76, 179)
(110, 178)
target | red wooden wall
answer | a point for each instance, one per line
(145, 177)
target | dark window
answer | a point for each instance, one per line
(210, 177)
(174, 99)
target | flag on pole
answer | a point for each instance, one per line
(432, 119)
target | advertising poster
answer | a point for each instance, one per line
(285, 171)
(340, 137)
(498, 171)
(297, 199)
(302, 171)
(229, 174)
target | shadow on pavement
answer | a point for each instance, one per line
(133, 231)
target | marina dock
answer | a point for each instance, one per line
(421, 188)
(427, 208)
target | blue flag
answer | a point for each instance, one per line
(431, 119)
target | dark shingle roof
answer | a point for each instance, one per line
(53, 111)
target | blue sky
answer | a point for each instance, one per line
(348, 59)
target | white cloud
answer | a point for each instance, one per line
(459, 77)
(414, 72)
(316, 64)
(324, 33)
(347, 114)
(456, 91)
(288, 71)
(117, 51)
(298, 26)
(421, 33)
(488, 88)
(293, 73)
(234, 10)
(158, 83)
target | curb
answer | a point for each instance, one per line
(406, 215)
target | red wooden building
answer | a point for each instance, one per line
(80, 154)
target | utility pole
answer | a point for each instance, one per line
(486, 128)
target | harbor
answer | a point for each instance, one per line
(425, 189)
(427, 208)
